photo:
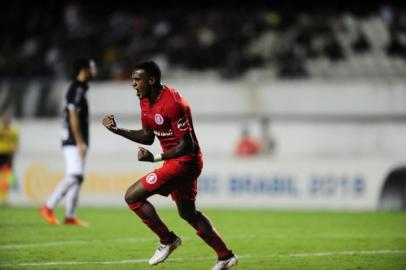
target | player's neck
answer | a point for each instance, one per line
(155, 91)
(82, 77)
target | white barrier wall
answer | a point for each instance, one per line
(218, 98)
(218, 139)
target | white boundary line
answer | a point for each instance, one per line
(144, 260)
(350, 253)
(188, 238)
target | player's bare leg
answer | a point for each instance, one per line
(135, 197)
(206, 231)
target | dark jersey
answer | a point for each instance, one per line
(75, 99)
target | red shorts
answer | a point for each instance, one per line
(175, 177)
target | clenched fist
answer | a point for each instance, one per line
(145, 155)
(110, 123)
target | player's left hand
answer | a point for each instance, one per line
(145, 155)
(82, 149)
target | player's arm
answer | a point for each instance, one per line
(184, 147)
(75, 126)
(143, 136)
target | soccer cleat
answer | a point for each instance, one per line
(75, 221)
(163, 251)
(226, 264)
(48, 214)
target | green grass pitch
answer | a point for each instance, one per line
(116, 239)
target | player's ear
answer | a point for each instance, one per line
(151, 81)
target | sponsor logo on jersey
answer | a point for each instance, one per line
(163, 133)
(159, 119)
(183, 123)
(151, 178)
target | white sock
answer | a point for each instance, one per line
(60, 191)
(72, 197)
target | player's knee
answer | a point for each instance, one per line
(130, 197)
(79, 179)
(135, 193)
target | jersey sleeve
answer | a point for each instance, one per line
(74, 97)
(177, 114)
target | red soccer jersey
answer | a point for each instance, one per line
(170, 118)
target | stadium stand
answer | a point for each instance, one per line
(282, 42)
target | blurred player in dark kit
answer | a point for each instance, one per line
(75, 142)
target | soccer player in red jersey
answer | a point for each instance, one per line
(165, 114)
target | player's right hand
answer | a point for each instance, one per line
(110, 123)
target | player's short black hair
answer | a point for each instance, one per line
(79, 63)
(151, 68)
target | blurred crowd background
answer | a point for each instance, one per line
(232, 38)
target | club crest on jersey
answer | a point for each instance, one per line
(182, 123)
(159, 119)
(151, 178)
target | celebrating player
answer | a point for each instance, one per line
(165, 114)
